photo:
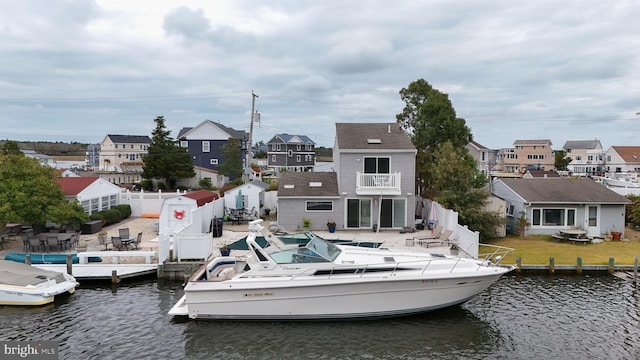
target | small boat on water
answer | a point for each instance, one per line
(22, 284)
(324, 280)
(37, 258)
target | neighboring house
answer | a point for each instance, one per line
(123, 153)
(587, 157)
(216, 179)
(375, 163)
(533, 173)
(485, 158)
(291, 153)
(623, 159)
(251, 197)
(555, 204)
(309, 195)
(43, 159)
(93, 193)
(205, 143)
(526, 154)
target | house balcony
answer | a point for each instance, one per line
(378, 184)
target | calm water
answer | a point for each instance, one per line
(528, 317)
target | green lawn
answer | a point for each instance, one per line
(537, 249)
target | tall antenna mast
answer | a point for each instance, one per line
(253, 106)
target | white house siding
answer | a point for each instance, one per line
(100, 195)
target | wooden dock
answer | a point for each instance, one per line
(113, 271)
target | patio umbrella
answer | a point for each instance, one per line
(239, 200)
(433, 215)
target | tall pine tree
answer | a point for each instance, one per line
(165, 158)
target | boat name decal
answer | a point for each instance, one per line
(257, 294)
(290, 268)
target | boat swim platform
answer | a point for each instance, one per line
(86, 270)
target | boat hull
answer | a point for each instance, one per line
(359, 297)
(22, 284)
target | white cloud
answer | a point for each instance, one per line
(77, 70)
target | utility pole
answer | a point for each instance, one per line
(249, 154)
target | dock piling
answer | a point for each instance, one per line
(579, 266)
(552, 266)
(69, 262)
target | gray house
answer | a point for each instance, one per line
(553, 204)
(375, 163)
(373, 185)
(309, 195)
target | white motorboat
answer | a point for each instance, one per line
(322, 280)
(622, 181)
(22, 284)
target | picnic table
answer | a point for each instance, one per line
(574, 235)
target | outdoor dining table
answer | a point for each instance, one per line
(64, 239)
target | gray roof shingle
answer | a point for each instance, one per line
(356, 136)
(564, 190)
(296, 184)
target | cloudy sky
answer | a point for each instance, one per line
(77, 70)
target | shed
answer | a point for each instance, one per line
(202, 196)
(93, 193)
(175, 214)
(252, 196)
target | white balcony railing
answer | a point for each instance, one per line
(372, 184)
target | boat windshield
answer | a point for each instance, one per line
(316, 250)
(323, 248)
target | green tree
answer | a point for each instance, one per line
(165, 158)
(10, 147)
(231, 164)
(430, 120)
(30, 194)
(458, 182)
(561, 160)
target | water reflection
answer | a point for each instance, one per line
(529, 317)
(443, 334)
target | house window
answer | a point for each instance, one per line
(116, 146)
(213, 161)
(278, 147)
(184, 144)
(298, 147)
(273, 158)
(308, 147)
(273, 147)
(373, 165)
(298, 158)
(319, 205)
(132, 146)
(554, 217)
(206, 147)
(593, 216)
(290, 153)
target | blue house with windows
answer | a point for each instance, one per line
(554, 204)
(205, 141)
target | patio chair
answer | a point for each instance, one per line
(117, 243)
(34, 243)
(124, 233)
(137, 241)
(102, 239)
(52, 241)
(442, 239)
